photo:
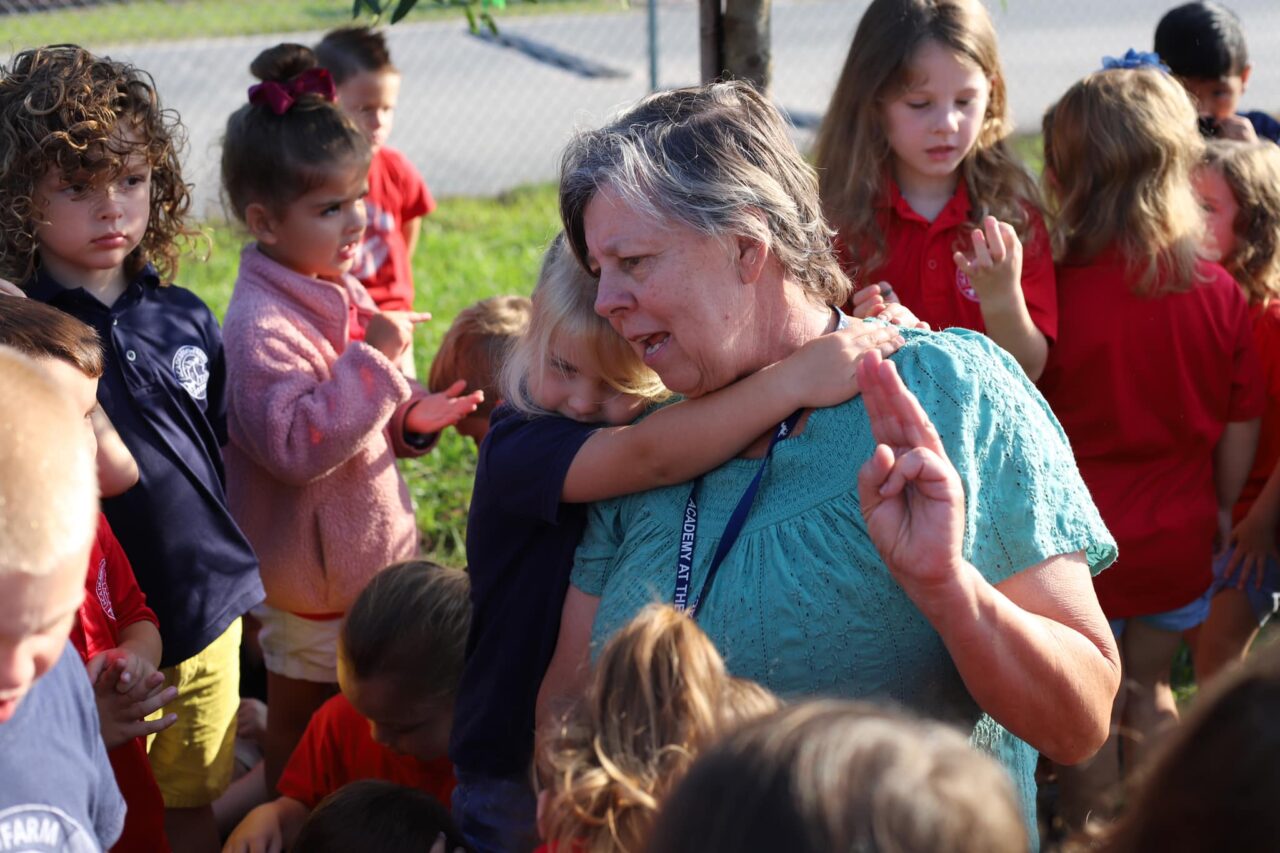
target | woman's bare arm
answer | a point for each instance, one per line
(1035, 650)
(570, 666)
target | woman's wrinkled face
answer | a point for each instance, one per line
(673, 293)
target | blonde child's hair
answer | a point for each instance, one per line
(48, 479)
(1252, 172)
(1119, 149)
(830, 775)
(478, 344)
(852, 153)
(563, 309)
(659, 694)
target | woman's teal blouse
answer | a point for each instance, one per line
(803, 603)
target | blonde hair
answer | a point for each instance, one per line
(660, 693)
(1119, 148)
(477, 345)
(1252, 172)
(717, 159)
(563, 310)
(48, 479)
(852, 153)
(830, 775)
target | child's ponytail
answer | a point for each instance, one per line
(280, 145)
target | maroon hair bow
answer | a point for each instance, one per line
(280, 97)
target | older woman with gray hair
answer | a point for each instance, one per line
(969, 599)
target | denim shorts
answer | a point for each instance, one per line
(1263, 598)
(1177, 620)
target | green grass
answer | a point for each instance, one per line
(166, 20)
(470, 249)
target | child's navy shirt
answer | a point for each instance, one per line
(520, 545)
(1264, 125)
(164, 390)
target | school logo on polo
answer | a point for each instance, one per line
(965, 286)
(191, 366)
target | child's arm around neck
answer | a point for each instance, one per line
(685, 440)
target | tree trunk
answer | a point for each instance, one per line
(711, 39)
(735, 41)
(747, 54)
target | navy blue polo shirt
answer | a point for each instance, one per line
(165, 391)
(520, 544)
(1264, 125)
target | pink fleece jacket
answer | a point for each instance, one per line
(315, 423)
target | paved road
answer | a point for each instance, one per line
(478, 118)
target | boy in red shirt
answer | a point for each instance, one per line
(368, 89)
(114, 631)
(400, 657)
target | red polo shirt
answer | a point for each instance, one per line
(112, 603)
(1143, 388)
(920, 265)
(338, 748)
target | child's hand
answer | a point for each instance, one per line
(1236, 127)
(434, 412)
(391, 332)
(251, 719)
(1254, 542)
(900, 315)
(8, 288)
(824, 371)
(995, 271)
(122, 709)
(134, 670)
(911, 495)
(870, 300)
(441, 845)
(259, 832)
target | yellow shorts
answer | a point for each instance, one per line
(193, 759)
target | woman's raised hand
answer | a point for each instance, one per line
(391, 332)
(995, 270)
(910, 493)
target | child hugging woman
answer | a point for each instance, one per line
(931, 206)
(317, 408)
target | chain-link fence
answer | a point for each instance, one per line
(480, 115)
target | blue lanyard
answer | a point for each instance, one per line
(689, 528)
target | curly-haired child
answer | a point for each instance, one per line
(92, 207)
